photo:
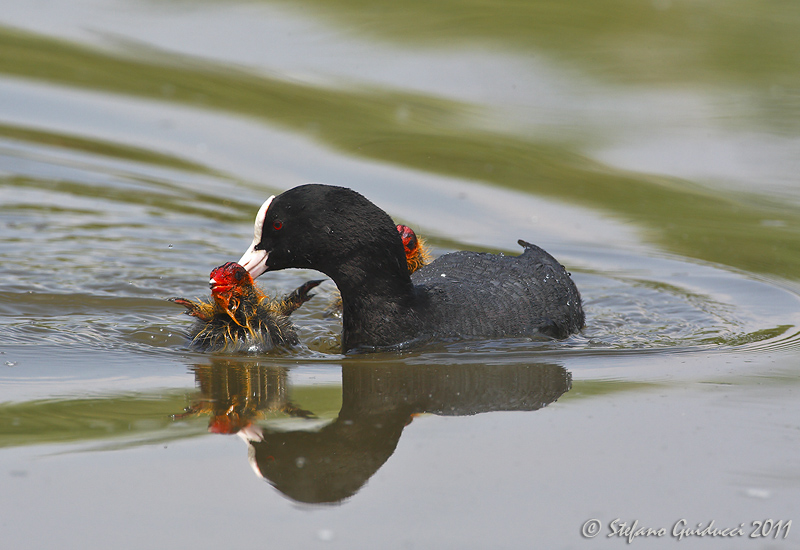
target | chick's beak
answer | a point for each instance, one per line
(214, 285)
(220, 289)
(221, 294)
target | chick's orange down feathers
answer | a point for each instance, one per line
(240, 317)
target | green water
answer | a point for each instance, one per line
(652, 147)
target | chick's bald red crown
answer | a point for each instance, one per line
(410, 242)
(227, 277)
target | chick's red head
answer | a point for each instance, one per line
(410, 242)
(229, 277)
(227, 281)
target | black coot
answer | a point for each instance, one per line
(460, 295)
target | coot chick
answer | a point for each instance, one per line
(241, 317)
(417, 255)
(460, 295)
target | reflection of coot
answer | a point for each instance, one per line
(460, 295)
(241, 316)
(329, 465)
(333, 463)
(452, 390)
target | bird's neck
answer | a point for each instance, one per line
(377, 303)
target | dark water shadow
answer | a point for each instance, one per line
(332, 463)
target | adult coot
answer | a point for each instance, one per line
(460, 295)
(240, 316)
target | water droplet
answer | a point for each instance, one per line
(170, 246)
(11, 363)
(300, 461)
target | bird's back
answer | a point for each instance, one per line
(471, 294)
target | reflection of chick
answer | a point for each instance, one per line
(236, 394)
(417, 255)
(241, 317)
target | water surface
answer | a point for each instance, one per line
(651, 147)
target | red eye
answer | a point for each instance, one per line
(276, 225)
